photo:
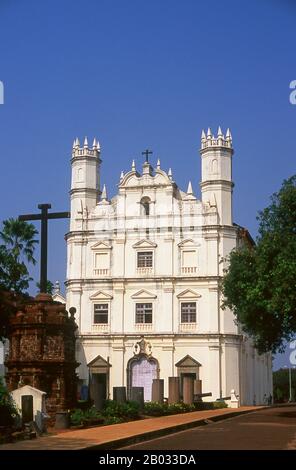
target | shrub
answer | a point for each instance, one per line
(80, 417)
(8, 408)
(76, 417)
(153, 408)
(128, 410)
(113, 420)
(162, 409)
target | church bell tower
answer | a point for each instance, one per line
(85, 182)
(216, 181)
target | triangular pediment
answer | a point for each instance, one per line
(188, 361)
(98, 361)
(144, 294)
(189, 242)
(145, 244)
(102, 245)
(100, 295)
(188, 294)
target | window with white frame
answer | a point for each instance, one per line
(101, 313)
(189, 258)
(102, 260)
(189, 261)
(188, 312)
(144, 313)
(144, 259)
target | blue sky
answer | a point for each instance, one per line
(137, 74)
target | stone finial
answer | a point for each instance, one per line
(210, 140)
(133, 165)
(85, 145)
(94, 146)
(189, 189)
(170, 174)
(104, 193)
(121, 176)
(57, 288)
(74, 144)
(228, 135)
(98, 146)
(77, 143)
(158, 164)
(72, 311)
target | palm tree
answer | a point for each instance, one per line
(19, 239)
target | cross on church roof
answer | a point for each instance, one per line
(147, 153)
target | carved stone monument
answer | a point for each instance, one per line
(42, 351)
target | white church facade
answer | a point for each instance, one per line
(143, 272)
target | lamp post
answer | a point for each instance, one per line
(290, 382)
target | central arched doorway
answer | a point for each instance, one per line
(141, 372)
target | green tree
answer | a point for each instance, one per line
(17, 249)
(281, 385)
(19, 239)
(260, 282)
(49, 287)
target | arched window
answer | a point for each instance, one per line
(214, 166)
(145, 206)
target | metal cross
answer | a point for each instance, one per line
(147, 153)
(44, 216)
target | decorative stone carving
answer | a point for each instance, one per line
(42, 353)
(143, 347)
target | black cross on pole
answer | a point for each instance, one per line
(147, 153)
(44, 216)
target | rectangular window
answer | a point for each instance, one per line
(143, 313)
(189, 258)
(188, 312)
(102, 260)
(101, 313)
(145, 259)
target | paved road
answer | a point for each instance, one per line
(271, 428)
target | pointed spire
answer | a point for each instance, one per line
(85, 145)
(94, 146)
(74, 143)
(98, 146)
(170, 174)
(121, 176)
(219, 132)
(189, 189)
(228, 134)
(133, 165)
(209, 133)
(158, 164)
(77, 143)
(203, 135)
(104, 193)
